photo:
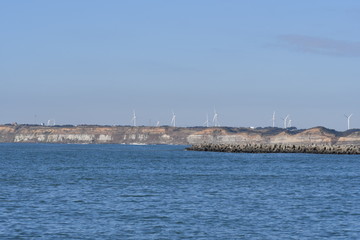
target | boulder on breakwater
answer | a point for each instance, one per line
(277, 148)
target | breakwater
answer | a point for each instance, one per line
(277, 148)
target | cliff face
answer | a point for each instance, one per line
(173, 135)
(317, 135)
(95, 134)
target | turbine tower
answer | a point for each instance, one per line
(133, 120)
(215, 119)
(285, 121)
(206, 123)
(273, 119)
(289, 123)
(173, 120)
(348, 120)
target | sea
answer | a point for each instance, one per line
(70, 191)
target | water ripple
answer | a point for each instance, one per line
(162, 192)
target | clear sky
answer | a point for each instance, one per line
(94, 62)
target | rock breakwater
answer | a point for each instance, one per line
(277, 148)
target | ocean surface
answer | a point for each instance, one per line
(51, 191)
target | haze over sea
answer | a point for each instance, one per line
(163, 192)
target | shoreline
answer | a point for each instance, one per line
(143, 135)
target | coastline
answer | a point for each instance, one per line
(144, 135)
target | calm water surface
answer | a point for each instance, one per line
(164, 192)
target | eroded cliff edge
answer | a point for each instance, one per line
(174, 135)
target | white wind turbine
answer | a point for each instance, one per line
(348, 120)
(215, 119)
(173, 120)
(133, 120)
(206, 123)
(285, 121)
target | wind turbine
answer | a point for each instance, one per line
(133, 120)
(289, 123)
(215, 119)
(158, 123)
(206, 123)
(173, 120)
(348, 120)
(285, 121)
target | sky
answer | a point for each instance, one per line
(95, 62)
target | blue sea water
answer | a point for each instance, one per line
(163, 192)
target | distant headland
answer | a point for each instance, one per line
(97, 134)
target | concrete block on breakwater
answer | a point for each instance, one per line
(277, 148)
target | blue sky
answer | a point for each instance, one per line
(94, 62)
